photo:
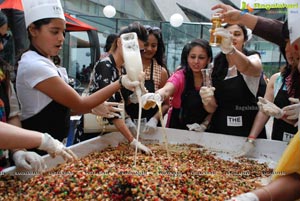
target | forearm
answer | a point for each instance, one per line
(100, 96)
(284, 188)
(243, 63)
(248, 20)
(207, 120)
(121, 126)
(211, 106)
(13, 137)
(270, 30)
(258, 125)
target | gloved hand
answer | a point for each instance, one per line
(108, 110)
(196, 127)
(133, 98)
(247, 147)
(150, 126)
(226, 44)
(55, 147)
(131, 126)
(292, 111)
(140, 146)
(30, 161)
(245, 197)
(149, 100)
(269, 108)
(206, 93)
(127, 83)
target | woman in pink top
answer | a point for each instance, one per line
(187, 111)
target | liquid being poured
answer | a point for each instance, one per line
(150, 104)
(158, 103)
(133, 66)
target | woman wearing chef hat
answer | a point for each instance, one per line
(47, 101)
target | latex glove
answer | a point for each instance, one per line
(108, 110)
(269, 108)
(196, 127)
(226, 44)
(150, 126)
(131, 126)
(140, 146)
(247, 147)
(142, 83)
(133, 98)
(55, 147)
(207, 94)
(28, 160)
(149, 100)
(127, 83)
(245, 197)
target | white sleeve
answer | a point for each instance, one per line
(13, 102)
(39, 71)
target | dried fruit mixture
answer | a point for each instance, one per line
(189, 173)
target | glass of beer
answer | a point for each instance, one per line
(216, 22)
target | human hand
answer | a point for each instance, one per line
(133, 98)
(150, 126)
(269, 108)
(197, 127)
(149, 100)
(131, 126)
(127, 83)
(229, 15)
(245, 197)
(108, 110)
(206, 94)
(55, 147)
(247, 147)
(140, 146)
(30, 161)
(226, 44)
(291, 112)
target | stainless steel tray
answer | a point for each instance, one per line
(225, 146)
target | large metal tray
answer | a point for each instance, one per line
(225, 146)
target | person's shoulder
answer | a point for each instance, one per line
(275, 77)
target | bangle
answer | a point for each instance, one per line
(205, 123)
(267, 191)
(232, 51)
(251, 140)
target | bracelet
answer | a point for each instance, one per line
(267, 191)
(251, 140)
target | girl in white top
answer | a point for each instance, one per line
(47, 101)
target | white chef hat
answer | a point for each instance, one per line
(40, 9)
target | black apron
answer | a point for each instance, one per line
(237, 108)
(132, 109)
(191, 111)
(281, 130)
(54, 119)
